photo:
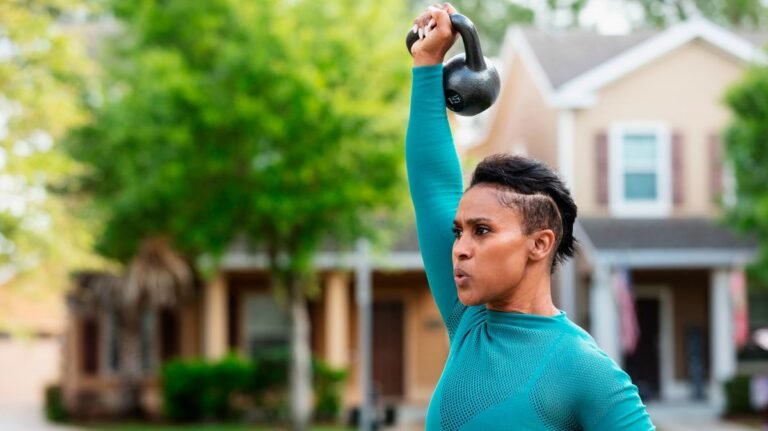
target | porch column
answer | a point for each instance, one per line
(337, 319)
(567, 288)
(722, 347)
(215, 318)
(603, 312)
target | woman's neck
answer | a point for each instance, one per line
(533, 295)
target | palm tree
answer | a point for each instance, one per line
(157, 277)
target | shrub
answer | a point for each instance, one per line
(225, 379)
(183, 382)
(328, 386)
(195, 390)
(737, 396)
(54, 404)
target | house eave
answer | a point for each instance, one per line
(324, 261)
(673, 258)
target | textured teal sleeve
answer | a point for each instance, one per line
(434, 177)
(610, 401)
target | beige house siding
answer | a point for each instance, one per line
(523, 119)
(684, 90)
(425, 340)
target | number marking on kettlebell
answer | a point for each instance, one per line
(455, 101)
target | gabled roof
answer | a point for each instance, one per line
(564, 55)
(570, 66)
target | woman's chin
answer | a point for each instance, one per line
(467, 298)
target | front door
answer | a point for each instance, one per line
(643, 364)
(388, 349)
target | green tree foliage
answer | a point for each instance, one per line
(733, 13)
(278, 121)
(219, 117)
(40, 71)
(744, 14)
(746, 150)
(572, 7)
(491, 17)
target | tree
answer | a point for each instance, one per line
(749, 14)
(491, 17)
(41, 239)
(572, 7)
(747, 153)
(280, 121)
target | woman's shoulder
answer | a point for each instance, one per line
(583, 349)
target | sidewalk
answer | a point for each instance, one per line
(690, 417)
(26, 418)
(666, 417)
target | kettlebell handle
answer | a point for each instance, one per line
(468, 32)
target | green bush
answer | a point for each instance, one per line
(195, 390)
(737, 396)
(269, 386)
(183, 384)
(54, 404)
(225, 379)
(271, 370)
(328, 386)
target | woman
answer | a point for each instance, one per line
(516, 362)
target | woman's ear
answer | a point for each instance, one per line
(541, 244)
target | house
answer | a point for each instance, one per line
(633, 125)
(238, 312)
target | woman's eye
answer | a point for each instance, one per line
(481, 230)
(456, 232)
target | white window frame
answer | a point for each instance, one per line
(246, 333)
(662, 205)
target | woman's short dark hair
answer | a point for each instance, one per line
(537, 192)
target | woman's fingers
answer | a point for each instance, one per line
(428, 20)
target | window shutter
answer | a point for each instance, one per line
(678, 184)
(715, 166)
(601, 151)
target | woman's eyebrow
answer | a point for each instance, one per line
(473, 221)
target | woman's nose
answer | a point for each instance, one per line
(461, 249)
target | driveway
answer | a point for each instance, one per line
(26, 366)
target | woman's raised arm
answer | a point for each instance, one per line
(434, 173)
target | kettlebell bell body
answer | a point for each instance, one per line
(470, 82)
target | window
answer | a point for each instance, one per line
(266, 324)
(640, 170)
(169, 334)
(89, 346)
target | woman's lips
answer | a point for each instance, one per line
(460, 277)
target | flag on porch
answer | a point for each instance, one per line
(738, 288)
(630, 330)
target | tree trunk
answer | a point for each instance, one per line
(301, 358)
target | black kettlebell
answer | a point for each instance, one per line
(471, 83)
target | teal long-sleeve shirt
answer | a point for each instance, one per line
(505, 371)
